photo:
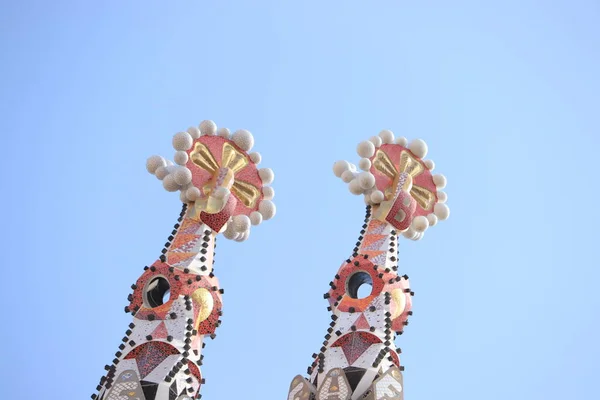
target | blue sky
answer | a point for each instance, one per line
(506, 94)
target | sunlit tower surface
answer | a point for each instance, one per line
(370, 301)
(176, 303)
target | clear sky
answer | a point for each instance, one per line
(506, 94)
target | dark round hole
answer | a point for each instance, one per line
(158, 292)
(359, 285)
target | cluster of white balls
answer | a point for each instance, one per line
(363, 182)
(179, 177)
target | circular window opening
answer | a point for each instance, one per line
(158, 292)
(359, 285)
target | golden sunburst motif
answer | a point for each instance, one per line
(410, 165)
(203, 297)
(231, 159)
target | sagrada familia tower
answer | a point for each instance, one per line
(176, 303)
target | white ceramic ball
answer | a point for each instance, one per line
(441, 211)
(347, 176)
(155, 162)
(442, 197)
(418, 148)
(161, 172)
(364, 164)
(223, 132)
(242, 237)
(181, 157)
(365, 149)
(402, 141)
(268, 192)
(339, 167)
(266, 175)
(355, 188)
(229, 233)
(241, 223)
(183, 196)
(255, 157)
(243, 139)
(193, 193)
(267, 209)
(208, 127)
(169, 183)
(376, 140)
(386, 136)
(420, 223)
(182, 176)
(256, 218)
(366, 180)
(429, 164)
(182, 141)
(410, 233)
(377, 197)
(432, 219)
(194, 132)
(439, 180)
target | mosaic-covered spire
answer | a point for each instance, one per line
(370, 302)
(176, 303)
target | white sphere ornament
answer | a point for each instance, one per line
(183, 196)
(429, 164)
(402, 141)
(266, 175)
(347, 176)
(255, 157)
(229, 233)
(366, 180)
(365, 149)
(439, 180)
(243, 139)
(418, 148)
(377, 197)
(420, 223)
(268, 192)
(267, 209)
(181, 157)
(194, 132)
(208, 127)
(386, 136)
(223, 132)
(339, 167)
(442, 197)
(182, 176)
(364, 164)
(355, 188)
(242, 237)
(441, 211)
(376, 140)
(155, 162)
(161, 172)
(432, 219)
(256, 218)
(193, 193)
(182, 141)
(410, 233)
(169, 183)
(241, 223)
